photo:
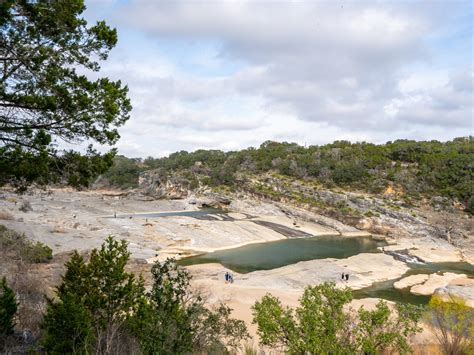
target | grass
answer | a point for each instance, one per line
(17, 246)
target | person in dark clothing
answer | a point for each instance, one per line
(347, 277)
(342, 276)
(227, 277)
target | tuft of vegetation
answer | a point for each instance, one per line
(26, 207)
(322, 325)
(18, 246)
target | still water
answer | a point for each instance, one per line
(266, 256)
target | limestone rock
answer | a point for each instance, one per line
(465, 292)
(410, 281)
(157, 184)
(434, 282)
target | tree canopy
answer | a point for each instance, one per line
(418, 168)
(101, 308)
(46, 97)
(322, 324)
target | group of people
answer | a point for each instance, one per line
(344, 277)
(229, 278)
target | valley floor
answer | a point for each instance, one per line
(66, 220)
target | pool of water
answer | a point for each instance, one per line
(266, 256)
(386, 290)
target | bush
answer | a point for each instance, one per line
(37, 252)
(470, 205)
(320, 324)
(100, 308)
(26, 207)
(17, 246)
(452, 321)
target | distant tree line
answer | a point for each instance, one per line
(424, 167)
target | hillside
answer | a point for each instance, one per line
(439, 171)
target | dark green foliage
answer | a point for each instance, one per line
(68, 326)
(43, 98)
(431, 168)
(17, 246)
(378, 331)
(323, 325)
(470, 205)
(123, 173)
(99, 307)
(8, 308)
(175, 321)
(93, 298)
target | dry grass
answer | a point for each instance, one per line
(6, 216)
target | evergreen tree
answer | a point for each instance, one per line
(94, 300)
(8, 308)
(44, 99)
(173, 320)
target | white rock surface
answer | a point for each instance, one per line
(465, 292)
(410, 281)
(436, 281)
(363, 269)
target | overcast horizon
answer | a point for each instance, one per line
(233, 74)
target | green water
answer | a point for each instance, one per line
(266, 256)
(386, 290)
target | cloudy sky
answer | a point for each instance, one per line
(233, 74)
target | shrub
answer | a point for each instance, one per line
(452, 321)
(470, 205)
(17, 246)
(37, 252)
(319, 325)
(26, 207)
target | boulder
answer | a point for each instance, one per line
(436, 281)
(464, 292)
(410, 281)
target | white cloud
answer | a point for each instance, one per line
(306, 71)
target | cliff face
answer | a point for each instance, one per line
(156, 184)
(387, 214)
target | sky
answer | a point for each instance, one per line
(232, 74)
